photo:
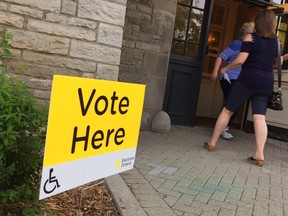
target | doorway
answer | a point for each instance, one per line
(187, 51)
(226, 20)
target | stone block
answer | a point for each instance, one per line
(42, 94)
(69, 7)
(164, 13)
(58, 61)
(132, 53)
(156, 64)
(152, 46)
(103, 11)
(95, 52)
(11, 19)
(53, 5)
(166, 40)
(161, 123)
(110, 35)
(107, 72)
(39, 42)
(56, 18)
(75, 21)
(61, 30)
(40, 71)
(35, 13)
(3, 6)
(155, 90)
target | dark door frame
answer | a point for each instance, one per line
(182, 70)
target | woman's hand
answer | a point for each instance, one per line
(285, 57)
(223, 70)
(213, 77)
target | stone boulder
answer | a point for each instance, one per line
(161, 123)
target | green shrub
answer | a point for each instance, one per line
(4, 47)
(22, 137)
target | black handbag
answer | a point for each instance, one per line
(275, 100)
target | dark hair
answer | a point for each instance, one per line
(265, 23)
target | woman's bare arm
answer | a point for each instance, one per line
(240, 59)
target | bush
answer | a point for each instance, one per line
(22, 137)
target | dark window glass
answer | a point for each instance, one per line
(187, 28)
(282, 35)
(195, 26)
(178, 48)
(185, 2)
(181, 23)
(199, 4)
(191, 51)
(282, 31)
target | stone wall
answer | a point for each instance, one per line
(84, 38)
(146, 47)
(70, 37)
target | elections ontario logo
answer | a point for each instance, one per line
(125, 162)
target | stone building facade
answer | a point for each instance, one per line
(77, 38)
(125, 40)
(148, 32)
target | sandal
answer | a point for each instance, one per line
(255, 161)
(209, 147)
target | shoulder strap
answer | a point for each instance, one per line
(279, 64)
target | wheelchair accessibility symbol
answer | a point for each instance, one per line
(51, 183)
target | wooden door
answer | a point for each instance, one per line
(187, 53)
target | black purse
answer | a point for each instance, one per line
(275, 100)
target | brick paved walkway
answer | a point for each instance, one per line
(175, 175)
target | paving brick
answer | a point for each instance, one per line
(201, 189)
(225, 212)
(214, 179)
(159, 211)
(170, 200)
(187, 199)
(182, 171)
(191, 214)
(186, 180)
(171, 177)
(174, 193)
(275, 210)
(187, 209)
(185, 190)
(227, 179)
(226, 204)
(170, 170)
(169, 184)
(249, 193)
(234, 195)
(239, 180)
(141, 191)
(136, 180)
(252, 180)
(219, 196)
(178, 213)
(157, 171)
(203, 197)
(205, 207)
(261, 192)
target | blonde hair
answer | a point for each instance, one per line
(265, 23)
(246, 28)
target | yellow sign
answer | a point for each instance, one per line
(89, 118)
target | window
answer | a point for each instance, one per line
(282, 32)
(187, 28)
